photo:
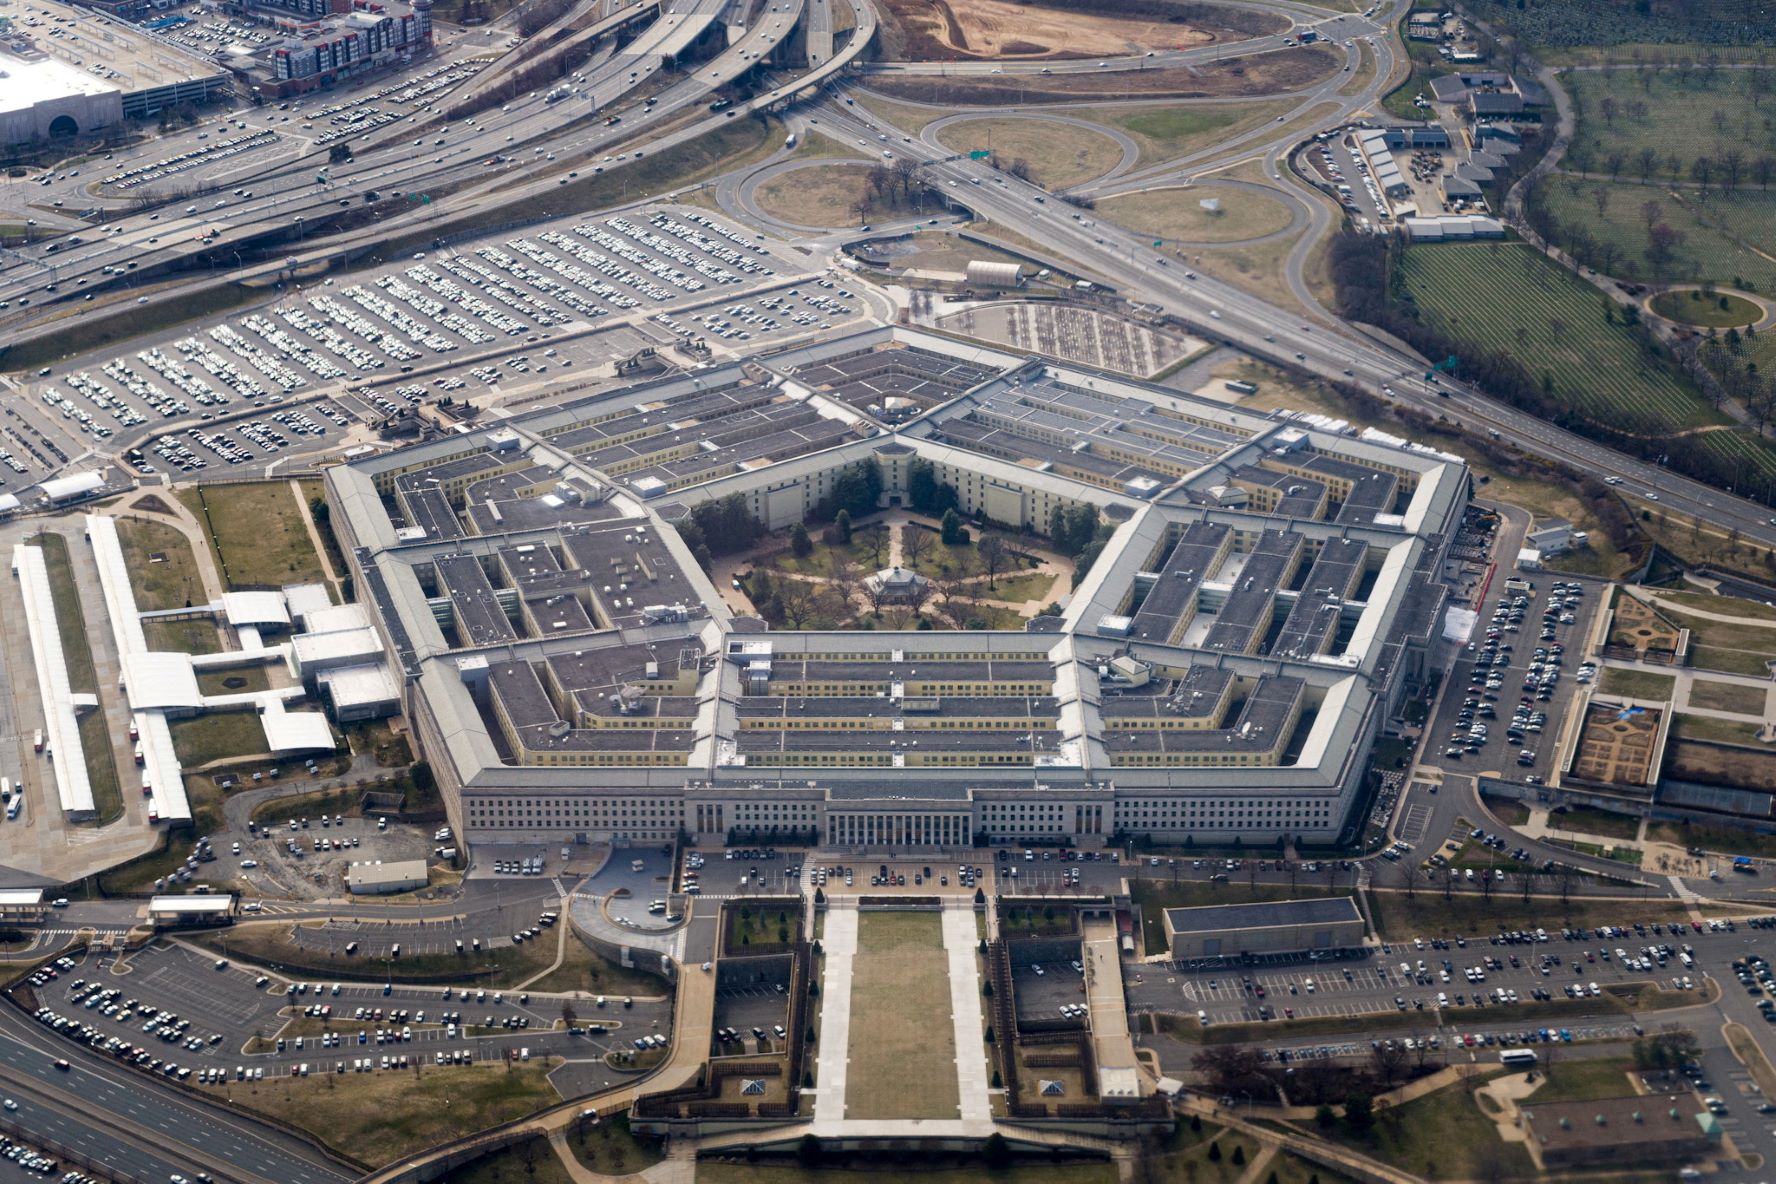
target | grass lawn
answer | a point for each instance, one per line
(1257, 269)
(1510, 299)
(1708, 727)
(1178, 214)
(1017, 589)
(1155, 896)
(240, 680)
(1625, 111)
(1059, 154)
(1591, 821)
(1727, 696)
(1164, 133)
(830, 194)
(1195, 1163)
(612, 1149)
(1635, 684)
(1725, 839)
(532, 1160)
(1721, 241)
(376, 737)
(1442, 1136)
(258, 534)
(1508, 810)
(1427, 914)
(903, 1050)
(1059, 1173)
(313, 488)
(749, 926)
(101, 767)
(1568, 1080)
(377, 1118)
(162, 568)
(195, 636)
(1730, 606)
(70, 615)
(1721, 312)
(215, 736)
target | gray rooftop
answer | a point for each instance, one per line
(1215, 918)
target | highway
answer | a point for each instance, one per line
(144, 1114)
(1227, 313)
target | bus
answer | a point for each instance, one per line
(1518, 1056)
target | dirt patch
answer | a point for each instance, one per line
(1270, 73)
(1004, 30)
(1718, 764)
(151, 504)
(1616, 746)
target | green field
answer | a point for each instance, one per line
(1671, 113)
(1696, 307)
(1725, 236)
(1164, 133)
(903, 1049)
(162, 568)
(1635, 684)
(259, 535)
(1512, 300)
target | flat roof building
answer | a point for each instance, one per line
(1631, 1129)
(1318, 925)
(173, 912)
(572, 674)
(380, 878)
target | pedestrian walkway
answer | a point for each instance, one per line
(840, 945)
(960, 942)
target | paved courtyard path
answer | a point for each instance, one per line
(960, 941)
(840, 945)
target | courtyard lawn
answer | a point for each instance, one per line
(377, 1118)
(1727, 696)
(1635, 684)
(259, 534)
(163, 571)
(903, 1049)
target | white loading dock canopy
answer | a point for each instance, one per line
(167, 800)
(197, 909)
(61, 727)
(291, 732)
(259, 609)
(161, 680)
(61, 489)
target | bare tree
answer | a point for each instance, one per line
(1387, 1061)
(875, 541)
(991, 550)
(915, 543)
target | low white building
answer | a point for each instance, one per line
(376, 877)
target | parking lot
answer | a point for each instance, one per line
(750, 1019)
(309, 857)
(216, 1019)
(1508, 694)
(1049, 991)
(296, 375)
(1455, 982)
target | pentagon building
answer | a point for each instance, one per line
(1269, 593)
